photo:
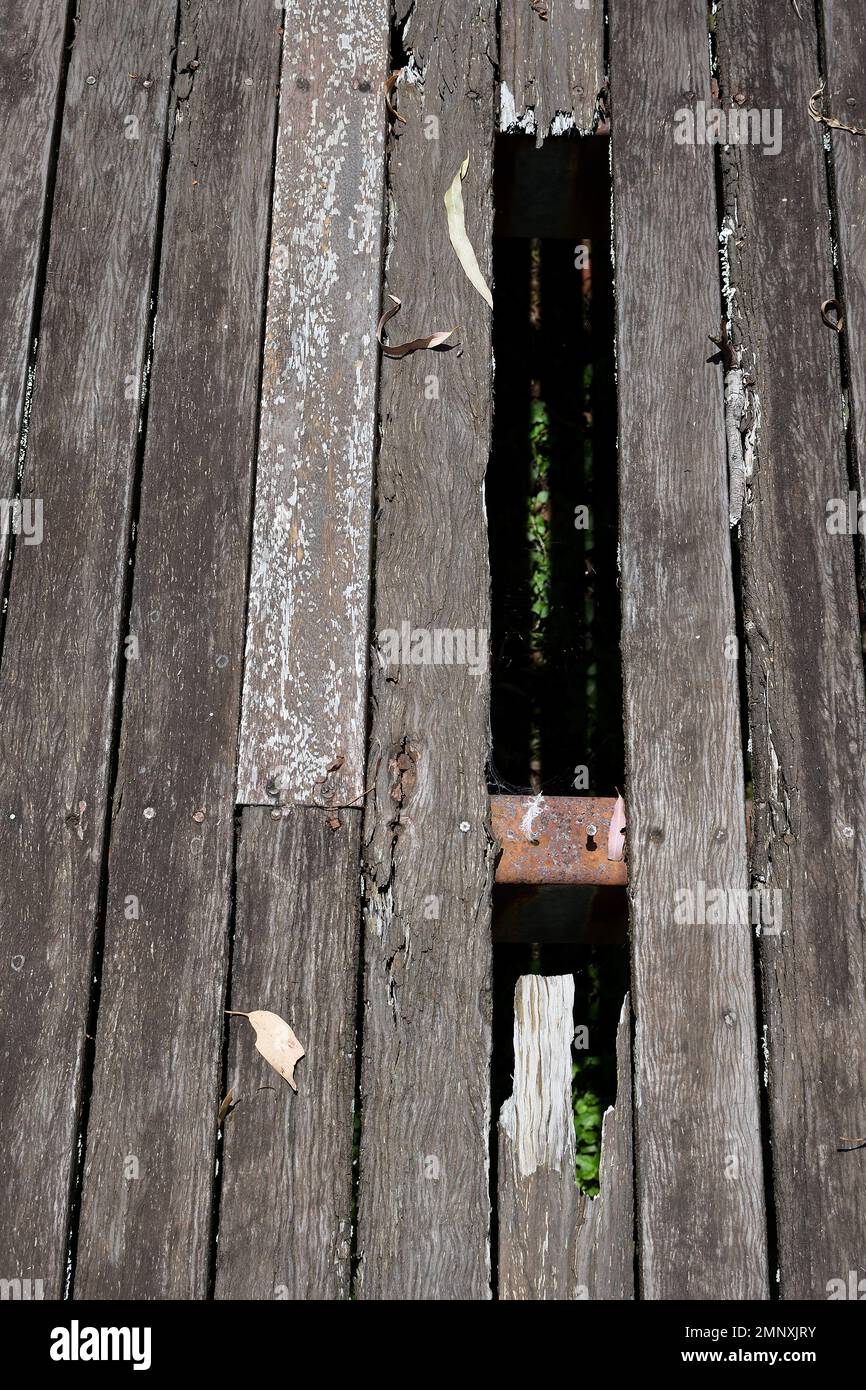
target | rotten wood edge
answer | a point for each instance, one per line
(556, 1243)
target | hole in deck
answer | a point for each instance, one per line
(556, 697)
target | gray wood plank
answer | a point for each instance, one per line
(807, 706)
(308, 639)
(701, 1231)
(160, 1025)
(551, 69)
(845, 99)
(554, 1241)
(604, 1254)
(31, 69)
(424, 1202)
(538, 1196)
(63, 627)
(285, 1211)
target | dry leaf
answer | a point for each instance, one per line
(616, 833)
(403, 349)
(275, 1041)
(457, 232)
(815, 101)
(831, 314)
(224, 1109)
(389, 85)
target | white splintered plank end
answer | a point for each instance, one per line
(537, 1116)
(552, 66)
(554, 1242)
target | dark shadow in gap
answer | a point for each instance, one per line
(556, 699)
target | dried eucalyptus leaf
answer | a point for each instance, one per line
(435, 340)
(457, 232)
(275, 1041)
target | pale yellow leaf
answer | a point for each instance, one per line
(457, 232)
(275, 1041)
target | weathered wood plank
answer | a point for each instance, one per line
(160, 1027)
(63, 627)
(604, 1260)
(845, 99)
(807, 706)
(552, 68)
(285, 1213)
(538, 1196)
(31, 68)
(555, 1242)
(307, 640)
(424, 1201)
(702, 1233)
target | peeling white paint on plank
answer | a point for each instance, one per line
(307, 639)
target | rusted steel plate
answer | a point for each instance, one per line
(557, 839)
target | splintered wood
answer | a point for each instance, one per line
(552, 66)
(555, 1242)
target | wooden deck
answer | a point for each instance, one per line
(219, 791)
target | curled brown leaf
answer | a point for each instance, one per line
(818, 115)
(225, 1108)
(389, 85)
(831, 313)
(435, 340)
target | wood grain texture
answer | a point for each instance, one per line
(845, 99)
(160, 1025)
(701, 1230)
(31, 67)
(308, 633)
(555, 1242)
(63, 627)
(424, 1201)
(604, 1253)
(285, 1213)
(553, 70)
(807, 708)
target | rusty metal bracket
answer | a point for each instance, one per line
(556, 839)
